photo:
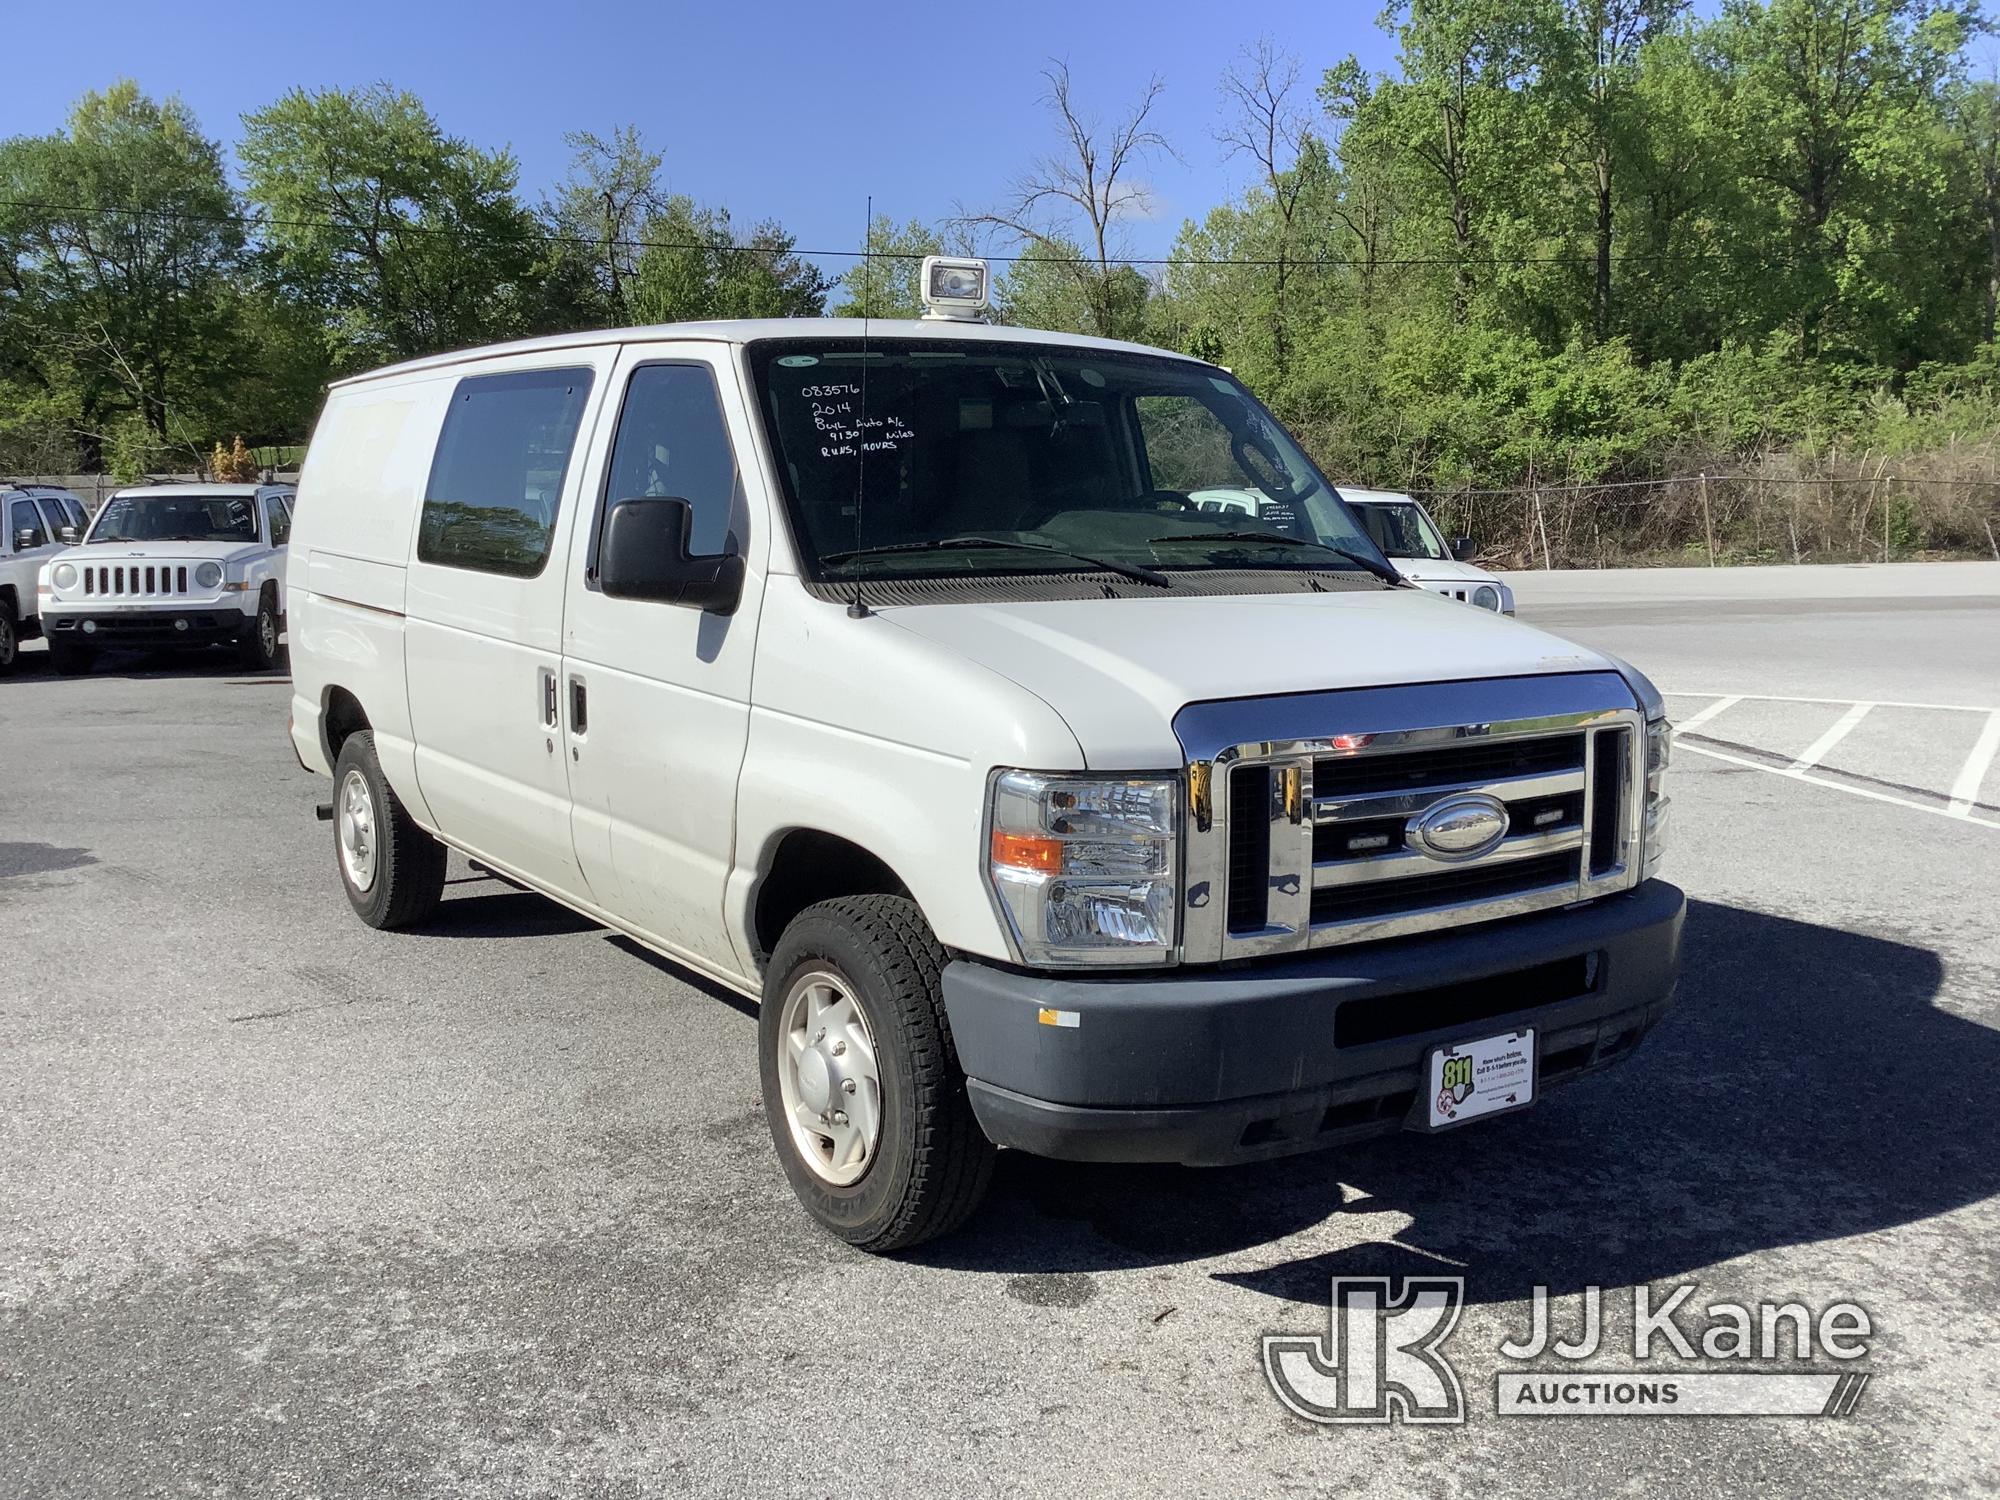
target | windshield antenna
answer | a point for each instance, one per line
(857, 608)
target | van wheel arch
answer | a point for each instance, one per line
(805, 867)
(341, 715)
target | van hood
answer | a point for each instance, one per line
(1119, 670)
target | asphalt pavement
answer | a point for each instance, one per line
(291, 1208)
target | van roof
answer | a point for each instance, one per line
(745, 330)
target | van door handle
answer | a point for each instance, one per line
(548, 697)
(579, 707)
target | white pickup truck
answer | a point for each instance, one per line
(173, 566)
(35, 521)
(889, 673)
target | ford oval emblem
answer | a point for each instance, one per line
(1461, 827)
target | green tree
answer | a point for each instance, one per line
(405, 240)
(123, 238)
(1590, 72)
(600, 212)
(694, 267)
(1054, 285)
(1843, 108)
(883, 284)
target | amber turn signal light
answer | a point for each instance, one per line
(1027, 851)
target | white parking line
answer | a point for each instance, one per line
(1696, 720)
(1950, 708)
(1839, 786)
(1817, 750)
(1965, 790)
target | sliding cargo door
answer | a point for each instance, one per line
(484, 634)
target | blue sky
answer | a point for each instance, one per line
(795, 111)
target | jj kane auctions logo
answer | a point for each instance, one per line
(1382, 1357)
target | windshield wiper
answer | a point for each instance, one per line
(960, 543)
(1359, 559)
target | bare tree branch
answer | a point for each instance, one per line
(1089, 185)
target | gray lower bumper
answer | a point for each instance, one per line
(1232, 1064)
(147, 628)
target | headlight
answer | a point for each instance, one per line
(1486, 596)
(1085, 868)
(1659, 754)
(207, 575)
(63, 575)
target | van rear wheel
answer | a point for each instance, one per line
(862, 1086)
(392, 871)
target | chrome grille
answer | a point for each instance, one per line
(1315, 836)
(135, 580)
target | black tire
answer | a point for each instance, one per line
(10, 640)
(407, 878)
(259, 646)
(70, 659)
(932, 1162)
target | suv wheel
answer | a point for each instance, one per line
(392, 871)
(862, 1087)
(259, 646)
(70, 659)
(10, 639)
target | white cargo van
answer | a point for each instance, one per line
(887, 673)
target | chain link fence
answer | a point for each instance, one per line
(1719, 519)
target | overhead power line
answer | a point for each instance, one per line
(254, 222)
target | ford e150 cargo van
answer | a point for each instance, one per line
(887, 673)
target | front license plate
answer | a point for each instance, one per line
(1486, 1077)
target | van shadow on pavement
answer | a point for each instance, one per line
(1804, 1087)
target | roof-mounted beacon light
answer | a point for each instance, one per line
(955, 288)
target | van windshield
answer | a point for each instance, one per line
(984, 458)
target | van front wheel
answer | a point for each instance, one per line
(392, 871)
(862, 1087)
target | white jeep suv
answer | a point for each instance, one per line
(173, 565)
(1411, 540)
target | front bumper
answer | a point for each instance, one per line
(1242, 1062)
(179, 625)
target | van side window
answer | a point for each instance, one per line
(498, 475)
(672, 440)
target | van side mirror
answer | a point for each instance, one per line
(1464, 549)
(644, 555)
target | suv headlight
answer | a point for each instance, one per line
(1659, 754)
(1487, 597)
(1086, 869)
(207, 575)
(63, 575)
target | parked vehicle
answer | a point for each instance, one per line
(173, 565)
(892, 674)
(1404, 530)
(39, 520)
